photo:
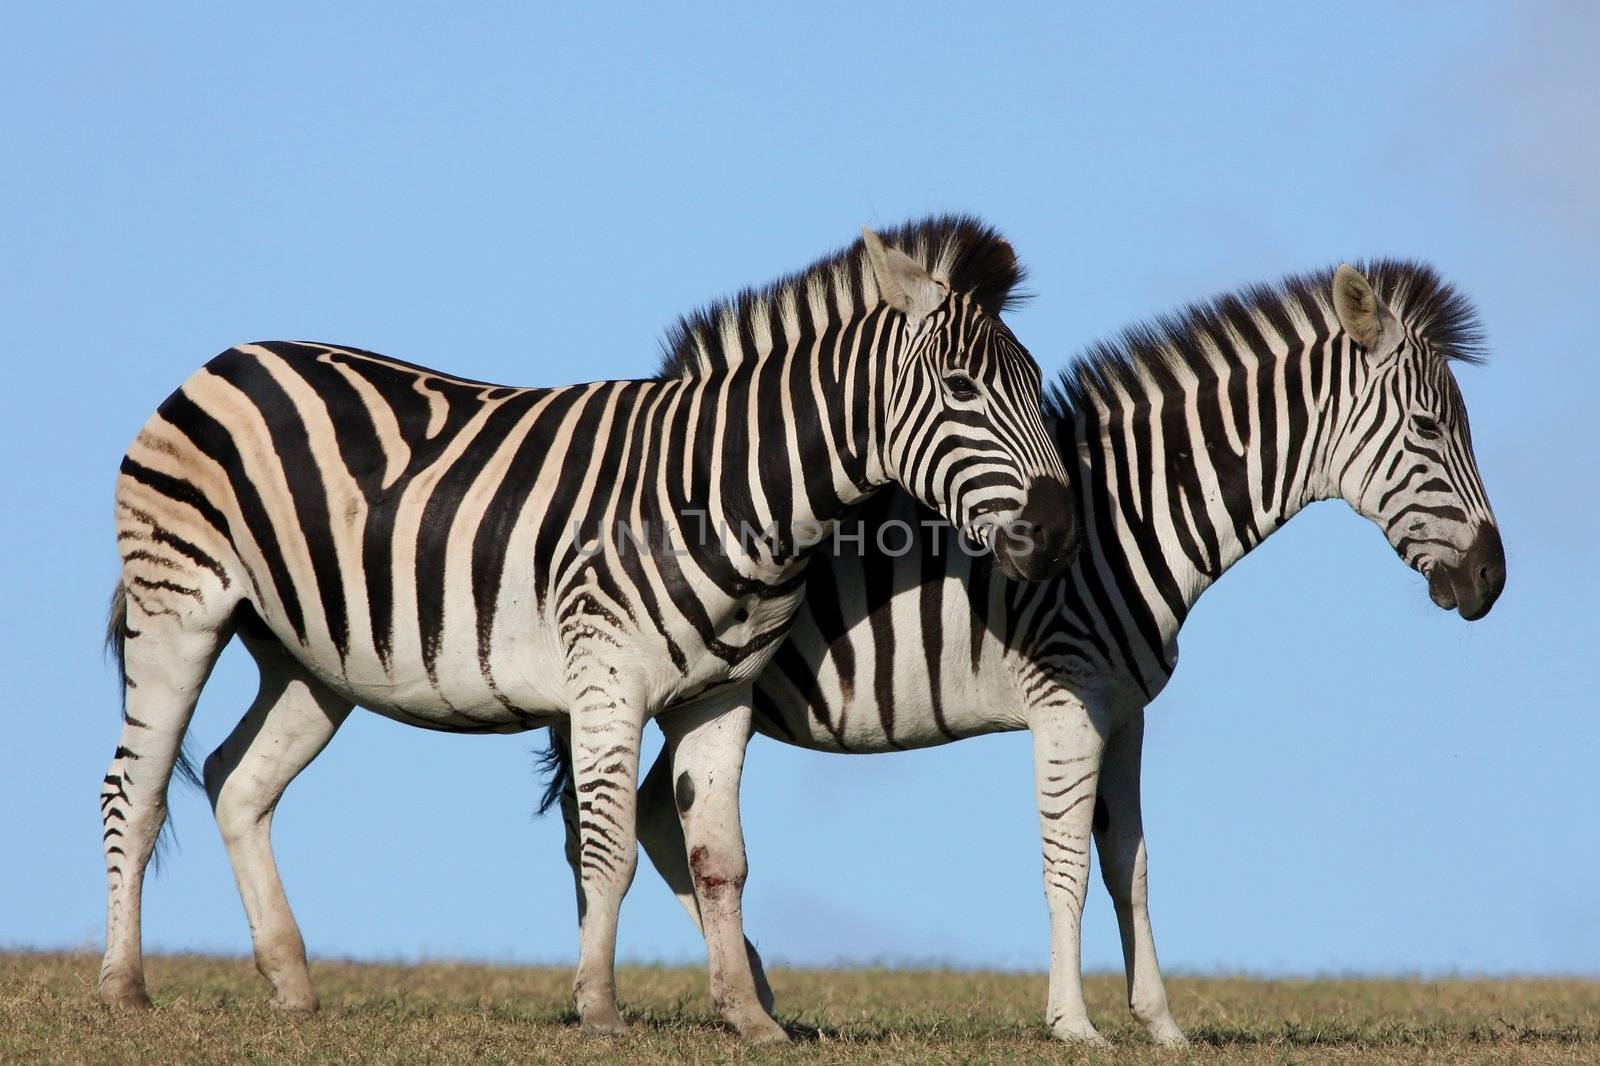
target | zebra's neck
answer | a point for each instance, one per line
(1189, 465)
(788, 438)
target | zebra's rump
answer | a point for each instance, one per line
(331, 490)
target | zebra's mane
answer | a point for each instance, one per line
(964, 253)
(1432, 308)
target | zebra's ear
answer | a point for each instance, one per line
(902, 282)
(1365, 317)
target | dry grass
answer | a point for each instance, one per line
(213, 1010)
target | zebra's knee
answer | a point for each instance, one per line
(235, 804)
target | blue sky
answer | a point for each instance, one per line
(1340, 778)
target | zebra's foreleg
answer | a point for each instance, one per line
(708, 745)
(1119, 837)
(1066, 767)
(605, 772)
(291, 721)
(661, 833)
(167, 659)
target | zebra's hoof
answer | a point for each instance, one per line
(772, 1034)
(1168, 1035)
(1084, 1035)
(603, 1024)
(760, 1029)
(300, 1004)
(125, 996)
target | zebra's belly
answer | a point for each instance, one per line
(519, 688)
(867, 730)
(913, 712)
(467, 708)
(518, 683)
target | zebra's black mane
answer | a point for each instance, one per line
(966, 254)
(1432, 308)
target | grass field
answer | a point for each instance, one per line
(214, 1010)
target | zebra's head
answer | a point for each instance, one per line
(963, 431)
(1404, 455)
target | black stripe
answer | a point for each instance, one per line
(303, 477)
(175, 488)
(214, 440)
(432, 558)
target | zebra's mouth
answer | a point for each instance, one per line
(1440, 590)
(1041, 540)
(988, 533)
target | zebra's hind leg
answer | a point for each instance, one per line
(1119, 837)
(661, 833)
(291, 721)
(707, 746)
(606, 728)
(167, 658)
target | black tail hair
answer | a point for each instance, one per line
(554, 761)
(116, 645)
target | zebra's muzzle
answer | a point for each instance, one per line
(1042, 540)
(1473, 584)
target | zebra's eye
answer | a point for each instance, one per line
(1426, 427)
(961, 386)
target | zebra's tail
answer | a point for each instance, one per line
(116, 645)
(555, 763)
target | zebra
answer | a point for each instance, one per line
(1192, 439)
(475, 558)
